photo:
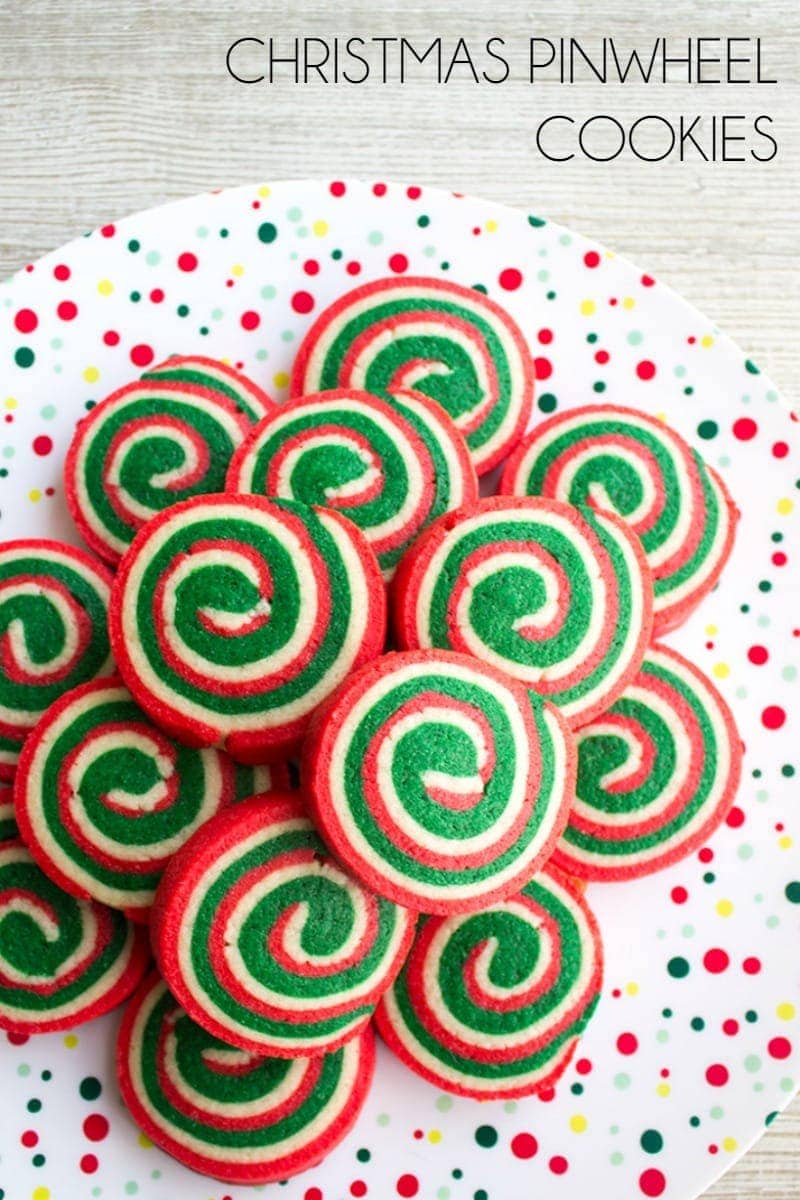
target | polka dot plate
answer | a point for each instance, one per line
(696, 1043)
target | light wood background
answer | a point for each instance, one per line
(109, 106)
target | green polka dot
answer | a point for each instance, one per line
(456, 1172)
(486, 1136)
(547, 402)
(182, 310)
(24, 357)
(134, 245)
(536, 222)
(267, 232)
(38, 1160)
(651, 1141)
(707, 430)
(34, 1106)
(423, 221)
(792, 892)
(694, 1122)
(751, 1016)
(363, 1155)
(598, 386)
(678, 967)
(697, 1024)
(90, 1088)
(751, 367)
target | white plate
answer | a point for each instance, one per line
(676, 1076)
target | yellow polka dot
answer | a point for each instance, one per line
(785, 842)
(491, 226)
(144, 1142)
(785, 506)
(71, 1041)
(729, 1144)
(721, 670)
(629, 302)
(35, 495)
(105, 287)
(237, 270)
(786, 1012)
(706, 340)
(435, 1136)
(663, 1089)
(40, 1193)
(578, 1123)
(280, 379)
(610, 254)
(11, 402)
(264, 192)
(320, 228)
(587, 307)
(724, 908)
(91, 374)
(632, 989)
(711, 630)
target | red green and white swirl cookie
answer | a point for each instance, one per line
(233, 617)
(8, 820)
(437, 781)
(215, 376)
(266, 941)
(559, 597)
(391, 466)
(62, 961)
(104, 798)
(236, 1116)
(430, 335)
(657, 774)
(53, 633)
(144, 447)
(623, 461)
(492, 1004)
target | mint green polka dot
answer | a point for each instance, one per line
(217, 314)
(375, 237)
(294, 213)
(23, 1070)
(429, 251)
(56, 343)
(617, 1158)
(752, 1063)
(444, 1103)
(688, 931)
(49, 411)
(510, 1106)
(745, 852)
(635, 337)
(622, 1081)
(717, 1113)
(268, 292)
(261, 355)
(789, 674)
(787, 1085)
(302, 231)
(443, 1193)
(680, 372)
(383, 1119)
(565, 239)
(152, 258)
(662, 1036)
(8, 452)
(543, 276)
(773, 922)
(131, 1188)
(202, 231)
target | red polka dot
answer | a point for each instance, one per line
(414, 193)
(42, 445)
(338, 188)
(62, 272)
(627, 1043)
(353, 268)
(545, 336)
(358, 1188)
(157, 295)
(95, 1127)
(418, 1134)
(311, 266)
(312, 1193)
(187, 261)
(142, 355)
(780, 450)
(510, 279)
(591, 258)
(645, 369)
(706, 855)
(398, 263)
(647, 281)
(779, 559)
(583, 1066)
(602, 357)
(716, 961)
(250, 320)
(679, 895)
(30, 1138)
(67, 310)
(773, 717)
(302, 302)
(751, 966)
(547, 1094)
(735, 818)
(524, 1145)
(111, 337)
(652, 1182)
(543, 368)
(26, 320)
(17, 1039)
(779, 1047)
(558, 1164)
(758, 655)
(89, 1164)
(730, 1027)
(407, 1185)
(108, 231)
(379, 189)
(744, 429)
(717, 1075)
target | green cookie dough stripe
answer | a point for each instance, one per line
(696, 565)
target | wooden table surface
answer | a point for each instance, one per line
(109, 106)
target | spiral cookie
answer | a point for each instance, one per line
(53, 615)
(657, 773)
(623, 461)
(391, 467)
(453, 343)
(436, 781)
(62, 961)
(215, 376)
(8, 821)
(264, 939)
(143, 448)
(227, 1113)
(104, 798)
(558, 597)
(492, 1004)
(232, 617)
